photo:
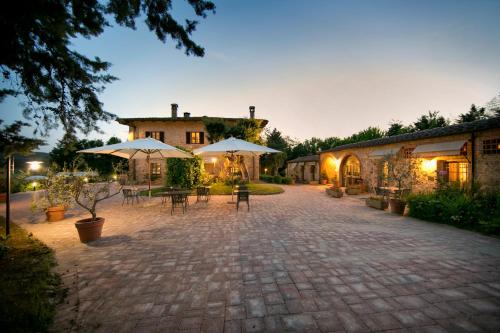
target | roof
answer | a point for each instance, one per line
(131, 121)
(473, 126)
(309, 158)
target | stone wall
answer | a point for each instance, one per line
(294, 170)
(487, 166)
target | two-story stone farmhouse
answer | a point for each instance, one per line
(460, 154)
(181, 131)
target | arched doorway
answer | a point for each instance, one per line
(350, 171)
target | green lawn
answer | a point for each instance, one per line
(222, 189)
(29, 289)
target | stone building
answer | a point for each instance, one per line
(461, 154)
(304, 169)
(186, 132)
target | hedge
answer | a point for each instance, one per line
(465, 209)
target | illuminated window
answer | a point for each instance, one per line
(195, 137)
(155, 135)
(155, 169)
(453, 172)
(491, 146)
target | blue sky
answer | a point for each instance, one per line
(313, 68)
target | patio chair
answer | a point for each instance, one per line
(129, 195)
(243, 195)
(179, 200)
(202, 194)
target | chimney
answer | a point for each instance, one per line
(252, 112)
(174, 110)
(186, 114)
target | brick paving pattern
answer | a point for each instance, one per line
(299, 261)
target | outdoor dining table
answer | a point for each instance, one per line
(165, 195)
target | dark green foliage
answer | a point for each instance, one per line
(275, 162)
(430, 120)
(465, 209)
(276, 179)
(216, 130)
(30, 290)
(60, 85)
(473, 114)
(184, 172)
(246, 129)
(397, 128)
(12, 142)
(65, 153)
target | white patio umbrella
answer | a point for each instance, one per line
(231, 147)
(140, 149)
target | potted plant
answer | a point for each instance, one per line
(401, 172)
(334, 192)
(324, 178)
(56, 196)
(353, 189)
(88, 195)
(377, 202)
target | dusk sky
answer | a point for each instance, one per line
(312, 68)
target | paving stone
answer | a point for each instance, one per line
(201, 269)
(255, 307)
(381, 322)
(299, 323)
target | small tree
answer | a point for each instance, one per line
(402, 172)
(186, 173)
(57, 191)
(88, 195)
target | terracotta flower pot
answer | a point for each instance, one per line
(398, 206)
(89, 230)
(324, 181)
(55, 213)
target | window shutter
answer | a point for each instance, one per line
(202, 137)
(188, 137)
(162, 136)
(148, 134)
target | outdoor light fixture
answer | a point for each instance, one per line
(214, 159)
(85, 179)
(429, 165)
(115, 177)
(265, 171)
(34, 165)
(34, 185)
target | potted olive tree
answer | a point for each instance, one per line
(87, 195)
(324, 178)
(401, 172)
(56, 196)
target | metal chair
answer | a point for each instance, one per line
(129, 194)
(243, 195)
(202, 194)
(178, 199)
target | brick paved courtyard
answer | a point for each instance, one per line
(299, 261)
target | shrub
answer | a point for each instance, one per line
(184, 172)
(287, 180)
(266, 178)
(277, 179)
(462, 208)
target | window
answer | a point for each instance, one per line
(155, 135)
(155, 169)
(195, 137)
(407, 152)
(491, 146)
(453, 172)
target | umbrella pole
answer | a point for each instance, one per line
(149, 168)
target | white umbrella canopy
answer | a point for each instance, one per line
(140, 149)
(234, 146)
